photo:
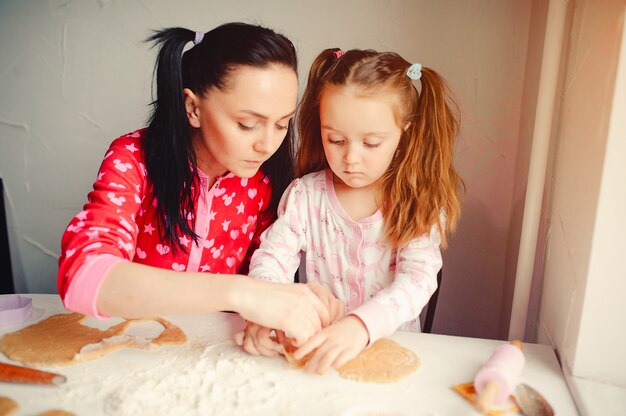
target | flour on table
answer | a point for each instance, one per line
(223, 380)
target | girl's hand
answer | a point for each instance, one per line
(336, 345)
(291, 308)
(256, 340)
(336, 308)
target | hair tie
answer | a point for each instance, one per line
(198, 38)
(414, 71)
(339, 53)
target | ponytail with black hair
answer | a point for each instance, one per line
(167, 142)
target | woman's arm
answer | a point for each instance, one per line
(134, 290)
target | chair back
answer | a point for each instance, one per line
(432, 305)
(6, 272)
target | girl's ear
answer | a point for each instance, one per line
(406, 126)
(192, 102)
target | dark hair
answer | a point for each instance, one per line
(167, 142)
(421, 182)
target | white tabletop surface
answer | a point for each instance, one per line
(210, 375)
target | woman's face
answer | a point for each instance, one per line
(240, 127)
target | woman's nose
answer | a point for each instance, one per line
(265, 142)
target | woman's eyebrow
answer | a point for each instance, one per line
(264, 117)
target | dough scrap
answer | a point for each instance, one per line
(56, 412)
(385, 361)
(8, 406)
(58, 340)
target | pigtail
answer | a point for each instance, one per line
(422, 183)
(167, 142)
(310, 156)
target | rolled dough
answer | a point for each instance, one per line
(385, 361)
(58, 340)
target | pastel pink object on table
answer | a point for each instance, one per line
(504, 367)
(14, 309)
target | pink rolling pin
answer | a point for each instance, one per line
(495, 381)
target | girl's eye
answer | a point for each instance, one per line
(334, 141)
(372, 145)
(279, 127)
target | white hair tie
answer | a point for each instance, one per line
(198, 38)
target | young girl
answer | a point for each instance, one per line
(377, 193)
(193, 191)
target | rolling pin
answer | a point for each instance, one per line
(17, 374)
(495, 381)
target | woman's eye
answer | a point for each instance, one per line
(334, 141)
(245, 127)
(279, 127)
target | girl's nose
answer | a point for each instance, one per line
(351, 155)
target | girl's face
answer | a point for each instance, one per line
(359, 133)
(239, 128)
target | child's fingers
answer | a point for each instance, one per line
(264, 343)
(265, 351)
(321, 360)
(248, 345)
(309, 346)
(239, 336)
(343, 358)
(281, 337)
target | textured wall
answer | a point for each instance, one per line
(582, 311)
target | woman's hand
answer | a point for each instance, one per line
(291, 308)
(257, 340)
(336, 308)
(334, 346)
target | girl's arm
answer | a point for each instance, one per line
(415, 281)
(278, 255)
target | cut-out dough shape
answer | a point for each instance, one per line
(59, 339)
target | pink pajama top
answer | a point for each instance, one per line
(385, 287)
(119, 223)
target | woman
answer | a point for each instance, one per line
(185, 199)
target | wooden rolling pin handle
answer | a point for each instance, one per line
(485, 400)
(491, 389)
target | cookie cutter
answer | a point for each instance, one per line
(15, 309)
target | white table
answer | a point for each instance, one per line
(210, 375)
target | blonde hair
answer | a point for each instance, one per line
(421, 182)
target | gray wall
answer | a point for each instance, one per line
(76, 74)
